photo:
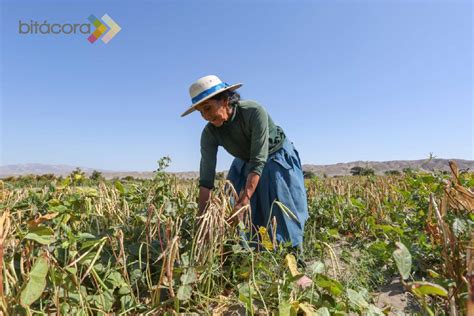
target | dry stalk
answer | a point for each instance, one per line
(122, 255)
(169, 256)
(213, 227)
(3, 191)
(335, 263)
(447, 257)
(4, 229)
(470, 276)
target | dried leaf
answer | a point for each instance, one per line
(307, 309)
(266, 241)
(290, 261)
(454, 171)
(40, 219)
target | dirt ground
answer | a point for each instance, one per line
(395, 296)
(391, 297)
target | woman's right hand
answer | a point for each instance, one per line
(240, 209)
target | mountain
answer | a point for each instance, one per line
(331, 170)
(381, 166)
(63, 170)
(38, 168)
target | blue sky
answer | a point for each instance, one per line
(347, 80)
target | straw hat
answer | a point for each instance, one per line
(205, 88)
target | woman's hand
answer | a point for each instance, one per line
(244, 199)
(204, 195)
(240, 209)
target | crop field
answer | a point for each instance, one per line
(82, 246)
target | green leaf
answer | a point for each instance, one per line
(184, 292)
(71, 270)
(316, 267)
(374, 311)
(403, 260)
(323, 311)
(83, 236)
(427, 179)
(356, 299)
(426, 288)
(126, 302)
(88, 191)
(65, 309)
(119, 187)
(124, 290)
(389, 228)
(115, 280)
(285, 309)
(333, 286)
(334, 232)
(245, 295)
(36, 282)
(65, 183)
(41, 234)
(237, 248)
(358, 203)
(189, 277)
(380, 250)
(57, 209)
(103, 301)
(433, 273)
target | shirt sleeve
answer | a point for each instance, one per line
(207, 170)
(259, 140)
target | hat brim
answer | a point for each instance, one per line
(193, 107)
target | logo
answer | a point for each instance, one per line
(113, 27)
(106, 29)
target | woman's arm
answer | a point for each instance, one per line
(250, 187)
(207, 167)
(204, 195)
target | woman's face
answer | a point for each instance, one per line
(215, 112)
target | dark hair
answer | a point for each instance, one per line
(232, 96)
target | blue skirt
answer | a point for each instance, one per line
(281, 180)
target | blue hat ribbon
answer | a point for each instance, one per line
(209, 91)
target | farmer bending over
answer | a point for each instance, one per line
(266, 167)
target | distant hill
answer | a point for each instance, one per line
(331, 170)
(381, 166)
(38, 168)
(63, 170)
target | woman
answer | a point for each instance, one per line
(266, 165)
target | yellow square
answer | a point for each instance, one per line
(102, 28)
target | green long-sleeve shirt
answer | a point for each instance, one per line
(249, 134)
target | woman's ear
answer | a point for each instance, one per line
(225, 102)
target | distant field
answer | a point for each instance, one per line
(339, 169)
